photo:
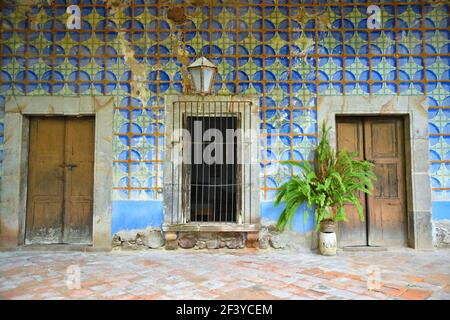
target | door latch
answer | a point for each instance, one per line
(71, 166)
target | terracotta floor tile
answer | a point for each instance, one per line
(416, 294)
(221, 274)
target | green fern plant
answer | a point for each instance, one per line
(333, 180)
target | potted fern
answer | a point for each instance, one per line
(333, 180)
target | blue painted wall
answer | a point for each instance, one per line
(441, 210)
(129, 215)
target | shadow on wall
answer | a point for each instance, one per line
(299, 225)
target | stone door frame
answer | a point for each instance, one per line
(15, 166)
(414, 109)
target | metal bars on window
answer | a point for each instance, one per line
(210, 173)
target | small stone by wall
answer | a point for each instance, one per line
(270, 236)
(150, 238)
(441, 234)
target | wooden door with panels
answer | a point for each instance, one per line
(381, 141)
(60, 180)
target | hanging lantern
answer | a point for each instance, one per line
(202, 73)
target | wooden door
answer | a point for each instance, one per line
(60, 180)
(45, 181)
(381, 141)
(78, 189)
(384, 146)
(349, 132)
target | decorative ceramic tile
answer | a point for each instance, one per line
(288, 52)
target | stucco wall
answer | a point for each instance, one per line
(296, 58)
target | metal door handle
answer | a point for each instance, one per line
(71, 166)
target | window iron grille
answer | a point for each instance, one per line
(211, 166)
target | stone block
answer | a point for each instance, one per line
(153, 238)
(127, 235)
(422, 199)
(201, 244)
(423, 230)
(277, 241)
(171, 245)
(236, 243)
(187, 241)
(116, 241)
(170, 236)
(252, 240)
(213, 244)
(441, 233)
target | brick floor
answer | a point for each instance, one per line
(217, 274)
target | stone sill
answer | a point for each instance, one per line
(211, 227)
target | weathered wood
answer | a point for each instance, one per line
(384, 140)
(60, 183)
(45, 181)
(349, 132)
(381, 141)
(79, 172)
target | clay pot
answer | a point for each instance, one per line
(327, 238)
(327, 243)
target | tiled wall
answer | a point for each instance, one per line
(288, 52)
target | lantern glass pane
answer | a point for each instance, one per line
(197, 79)
(207, 78)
